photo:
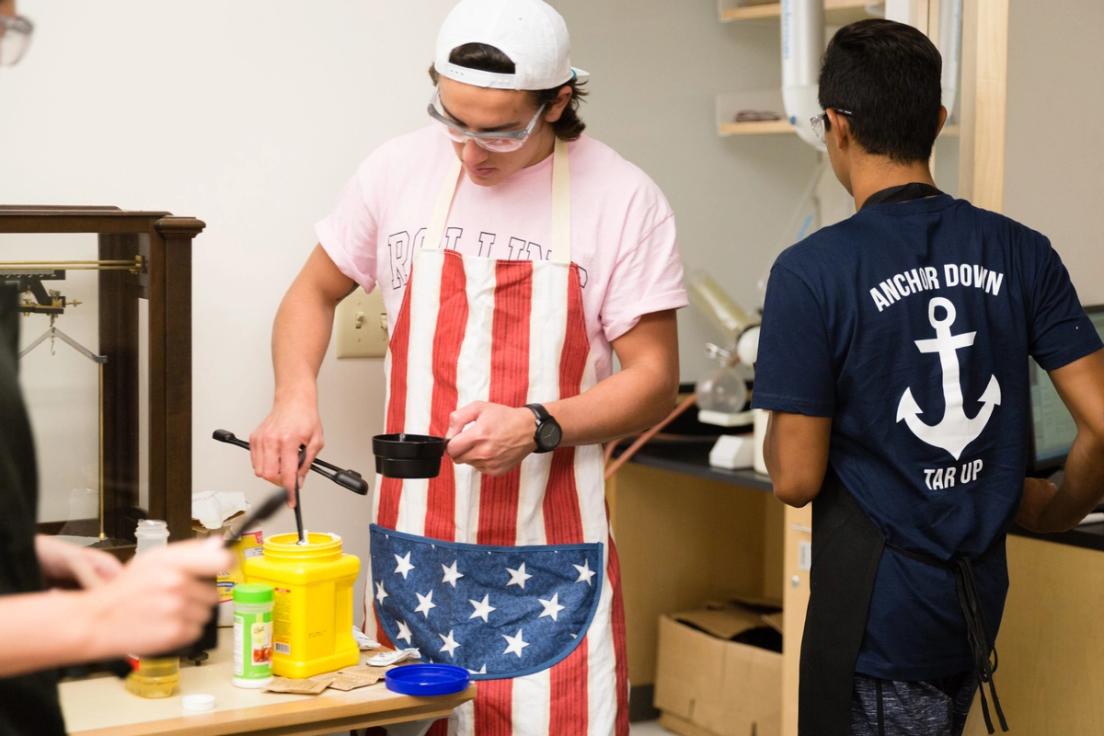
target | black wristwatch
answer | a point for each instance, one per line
(548, 434)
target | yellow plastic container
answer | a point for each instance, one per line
(312, 614)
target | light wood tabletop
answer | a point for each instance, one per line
(101, 706)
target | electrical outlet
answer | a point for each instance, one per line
(361, 326)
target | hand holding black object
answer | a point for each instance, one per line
(344, 477)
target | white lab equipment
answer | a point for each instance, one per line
(722, 395)
(802, 46)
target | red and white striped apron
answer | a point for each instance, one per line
(512, 333)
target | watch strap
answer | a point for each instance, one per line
(539, 412)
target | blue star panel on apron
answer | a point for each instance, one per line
(498, 611)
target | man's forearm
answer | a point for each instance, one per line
(625, 403)
(795, 450)
(300, 337)
(1082, 487)
(45, 630)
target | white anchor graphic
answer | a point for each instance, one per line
(955, 431)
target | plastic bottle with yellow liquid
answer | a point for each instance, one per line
(312, 615)
(153, 677)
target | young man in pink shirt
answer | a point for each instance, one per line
(516, 256)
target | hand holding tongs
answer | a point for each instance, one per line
(345, 477)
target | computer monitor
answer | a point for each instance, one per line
(1051, 430)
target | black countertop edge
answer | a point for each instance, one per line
(692, 458)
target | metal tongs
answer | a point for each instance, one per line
(345, 477)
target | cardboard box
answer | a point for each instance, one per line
(220, 512)
(709, 685)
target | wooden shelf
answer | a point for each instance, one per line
(782, 127)
(836, 12)
(764, 127)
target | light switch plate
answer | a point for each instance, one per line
(361, 326)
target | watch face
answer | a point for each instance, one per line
(549, 435)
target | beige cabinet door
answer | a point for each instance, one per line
(795, 599)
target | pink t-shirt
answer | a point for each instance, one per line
(622, 228)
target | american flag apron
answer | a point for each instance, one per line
(514, 577)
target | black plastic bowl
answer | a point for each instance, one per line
(408, 455)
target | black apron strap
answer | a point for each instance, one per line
(984, 657)
(985, 661)
(847, 548)
(901, 193)
(881, 707)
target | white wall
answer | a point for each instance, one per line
(251, 115)
(1055, 154)
(656, 67)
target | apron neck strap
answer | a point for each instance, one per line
(561, 205)
(433, 238)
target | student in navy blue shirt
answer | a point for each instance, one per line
(893, 359)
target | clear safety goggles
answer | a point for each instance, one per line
(820, 122)
(15, 38)
(495, 141)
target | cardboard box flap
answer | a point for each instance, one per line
(723, 623)
(763, 603)
(731, 619)
(773, 620)
(214, 510)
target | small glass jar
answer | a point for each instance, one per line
(151, 534)
(153, 677)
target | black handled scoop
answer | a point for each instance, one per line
(408, 455)
(299, 501)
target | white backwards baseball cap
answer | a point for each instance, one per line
(530, 32)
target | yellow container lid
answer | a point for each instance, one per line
(320, 547)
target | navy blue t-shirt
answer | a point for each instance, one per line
(910, 324)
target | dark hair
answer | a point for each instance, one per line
(888, 75)
(491, 59)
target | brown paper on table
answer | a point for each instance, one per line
(352, 682)
(309, 686)
(352, 678)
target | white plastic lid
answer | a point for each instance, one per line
(198, 702)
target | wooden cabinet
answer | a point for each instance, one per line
(1050, 672)
(685, 539)
(142, 257)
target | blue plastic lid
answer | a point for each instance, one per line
(427, 679)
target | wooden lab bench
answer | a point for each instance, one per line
(688, 533)
(102, 706)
